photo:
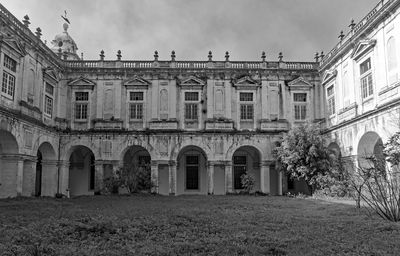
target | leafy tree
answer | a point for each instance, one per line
(303, 155)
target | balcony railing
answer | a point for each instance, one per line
(363, 23)
(88, 64)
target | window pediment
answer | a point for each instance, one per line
(137, 83)
(50, 74)
(362, 47)
(82, 83)
(246, 83)
(300, 83)
(15, 44)
(328, 76)
(192, 82)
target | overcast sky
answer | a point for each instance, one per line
(245, 28)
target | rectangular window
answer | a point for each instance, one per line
(81, 96)
(136, 111)
(49, 89)
(48, 105)
(81, 105)
(246, 112)
(239, 168)
(300, 112)
(246, 96)
(300, 97)
(367, 88)
(192, 172)
(8, 85)
(81, 111)
(191, 96)
(10, 63)
(331, 100)
(365, 66)
(191, 111)
(136, 96)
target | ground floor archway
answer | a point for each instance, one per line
(246, 159)
(370, 151)
(192, 171)
(46, 178)
(9, 165)
(81, 171)
(136, 163)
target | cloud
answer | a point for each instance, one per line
(298, 28)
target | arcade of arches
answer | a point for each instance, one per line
(192, 170)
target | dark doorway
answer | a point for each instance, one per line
(38, 182)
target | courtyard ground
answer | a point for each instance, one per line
(191, 225)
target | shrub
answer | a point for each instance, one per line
(248, 182)
(133, 178)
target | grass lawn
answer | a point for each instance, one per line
(191, 225)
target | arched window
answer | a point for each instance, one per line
(391, 54)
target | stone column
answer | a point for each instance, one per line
(63, 177)
(265, 179)
(49, 177)
(154, 177)
(210, 177)
(172, 178)
(98, 176)
(228, 177)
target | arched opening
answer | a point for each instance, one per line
(370, 151)
(191, 171)
(81, 171)
(8, 164)
(46, 171)
(137, 165)
(246, 159)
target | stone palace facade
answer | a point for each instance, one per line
(67, 123)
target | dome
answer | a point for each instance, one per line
(64, 44)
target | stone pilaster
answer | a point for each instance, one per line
(154, 177)
(63, 179)
(210, 177)
(265, 177)
(50, 177)
(172, 178)
(98, 176)
(228, 177)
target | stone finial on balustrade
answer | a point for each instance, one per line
(352, 24)
(210, 56)
(81, 55)
(280, 57)
(59, 52)
(322, 55)
(119, 55)
(341, 35)
(102, 55)
(316, 57)
(226, 56)
(38, 32)
(173, 55)
(65, 55)
(263, 56)
(26, 21)
(155, 55)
